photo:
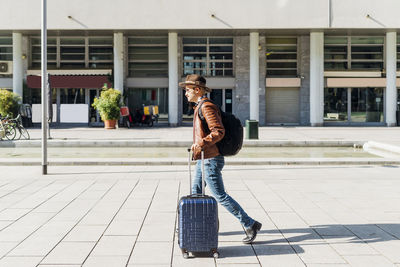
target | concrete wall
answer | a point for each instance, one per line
(263, 72)
(353, 14)
(166, 14)
(178, 14)
(304, 71)
(241, 100)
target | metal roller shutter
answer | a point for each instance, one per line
(283, 106)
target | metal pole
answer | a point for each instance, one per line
(44, 86)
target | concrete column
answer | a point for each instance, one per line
(391, 90)
(254, 76)
(18, 68)
(316, 78)
(119, 61)
(173, 90)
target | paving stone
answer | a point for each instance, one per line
(350, 246)
(368, 261)
(114, 246)
(22, 261)
(57, 265)
(236, 252)
(237, 265)
(279, 254)
(158, 227)
(327, 265)
(69, 253)
(124, 228)
(106, 261)
(4, 224)
(125, 214)
(13, 214)
(5, 247)
(144, 252)
(317, 253)
(85, 233)
(332, 230)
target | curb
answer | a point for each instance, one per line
(181, 162)
(177, 143)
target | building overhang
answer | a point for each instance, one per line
(70, 81)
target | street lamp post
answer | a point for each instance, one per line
(44, 86)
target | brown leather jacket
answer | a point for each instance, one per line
(207, 138)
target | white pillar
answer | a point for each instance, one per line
(18, 68)
(119, 61)
(391, 90)
(254, 76)
(173, 79)
(316, 78)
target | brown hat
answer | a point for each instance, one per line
(197, 80)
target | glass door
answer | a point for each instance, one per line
(94, 117)
(366, 105)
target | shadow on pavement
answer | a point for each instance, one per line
(317, 234)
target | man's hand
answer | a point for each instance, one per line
(196, 150)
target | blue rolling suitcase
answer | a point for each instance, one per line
(198, 221)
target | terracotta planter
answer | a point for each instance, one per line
(110, 124)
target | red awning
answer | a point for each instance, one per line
(70, 81)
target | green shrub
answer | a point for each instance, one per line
(9, 103)
(108, 104)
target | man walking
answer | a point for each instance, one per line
(205, 136)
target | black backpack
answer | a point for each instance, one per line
(233, 139)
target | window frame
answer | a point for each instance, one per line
(282, 60)
(207, 71)
(147, 61)
(349, 57)
(8, 56)
(58, 61)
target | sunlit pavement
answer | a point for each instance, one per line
(126, 216)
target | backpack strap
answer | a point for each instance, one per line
(200, 112)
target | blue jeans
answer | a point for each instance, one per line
(212, 171)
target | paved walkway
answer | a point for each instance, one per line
(126, 216)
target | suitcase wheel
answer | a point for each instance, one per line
(185, 255)
(215, 254)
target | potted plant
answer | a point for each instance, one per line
(9, 103)
(108, 105)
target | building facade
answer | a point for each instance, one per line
(281, 62)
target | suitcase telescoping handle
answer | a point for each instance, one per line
(202, 172)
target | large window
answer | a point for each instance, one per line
(354, 53)
(354, 105)
(208, 56)
(74, 52)
(6, 48)
(281, 56)
(148, 56)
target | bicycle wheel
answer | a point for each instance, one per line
(10, 132)
(24, 133)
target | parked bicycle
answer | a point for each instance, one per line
(21, 129)
(13, 128)
(7, 130)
